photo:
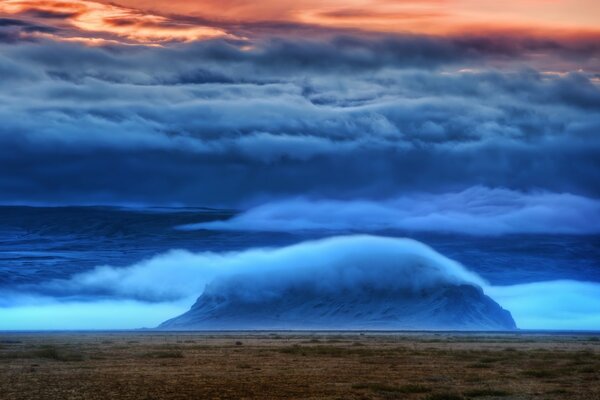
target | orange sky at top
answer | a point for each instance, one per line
(419, 16)
(87, 16)
(155, 21)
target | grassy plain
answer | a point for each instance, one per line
(292, 365)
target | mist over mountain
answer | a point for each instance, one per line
(396, 284)
(71, 267)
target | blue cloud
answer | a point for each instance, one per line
(477, 211)
(216, 123)
(148, 291)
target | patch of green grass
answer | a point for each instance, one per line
(587, 370)
(387, 389)
(489, 360)
(484, 392)
(330, 351)
(540, 373)
(414, 388)
(479, 365)
(444, 396)
(199, 347)
(558, 391)
(54, 353)
(164, 354)
(333, 351)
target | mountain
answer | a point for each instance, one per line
(352, 282)
(345, 282)
(456, 307)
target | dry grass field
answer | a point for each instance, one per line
(428, 366)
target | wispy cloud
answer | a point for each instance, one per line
(424, 16)
(92, 22)
(477, 211)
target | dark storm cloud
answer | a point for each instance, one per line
(223, 122)
(16, 30)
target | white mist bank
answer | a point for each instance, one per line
(89, 315)
(165, 286)
(475, 211)
(561, 305)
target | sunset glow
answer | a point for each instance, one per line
(456, 16)
(425, 16)
(148, 22)
(94, 17)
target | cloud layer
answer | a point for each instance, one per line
(478, 210)
(161, 18)
(146, 292)
(222, 122)
(96, 23)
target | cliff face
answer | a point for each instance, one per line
(451, 307)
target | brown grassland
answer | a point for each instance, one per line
(285, 365)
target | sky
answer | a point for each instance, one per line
(234, 103)
(470, 117)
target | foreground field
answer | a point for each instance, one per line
(291, 365)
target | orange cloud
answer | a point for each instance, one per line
(152, 22)
(418, 16)
(106, 19)
(458, 16)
